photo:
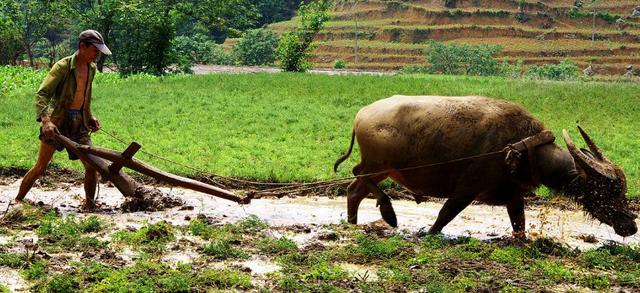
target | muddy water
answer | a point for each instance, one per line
(479, 221)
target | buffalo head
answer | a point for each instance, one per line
(600, 187)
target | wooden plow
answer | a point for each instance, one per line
(109, 164)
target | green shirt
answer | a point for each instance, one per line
(58, 89)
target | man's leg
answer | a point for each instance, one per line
(44, 157)
(90, 183)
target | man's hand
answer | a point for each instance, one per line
(94, 123)
(49, 129)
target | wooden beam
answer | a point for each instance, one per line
(131, 150)
(125, 184)
(144, 168)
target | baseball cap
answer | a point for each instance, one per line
(95, 38)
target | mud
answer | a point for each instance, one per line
(305, 215)
(151, 200)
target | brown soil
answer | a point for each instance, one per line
(150, 200)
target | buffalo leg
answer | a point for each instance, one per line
(356, 192)
(451, 208)
(384, 203)
(515, 208)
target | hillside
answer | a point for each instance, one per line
(391, 34)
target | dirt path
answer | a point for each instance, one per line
(206, 69)
(479, 221)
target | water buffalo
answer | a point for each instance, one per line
(399, 134)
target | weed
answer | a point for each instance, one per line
(35, 271)
(630, 279)
(370, 248)
(12, 260)
(553, 272)
(277, 246)
(62, 284)
(511, 255)
(66, 232)
(221, 249)
(223, 279)
(595, 281)
(548, 246)
(600, 259)
(91, 224)
(4, 289)
(340, 64)
(150, 237)
(250, 224)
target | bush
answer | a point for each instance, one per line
(566, 70)
(340, 64)
(257, 47)
(293, 52)
(199, 49)
(511, 70)
(463, 59)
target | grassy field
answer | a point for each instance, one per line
(82, 253)
(292, 127)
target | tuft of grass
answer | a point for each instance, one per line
(12, 260)
(277, 246)
(35, 271)
(553, 272)
(150, 237)
(223, 279)
(599, 259)
(370, 248)
(509, 254)
(66, 233)
(222, 250)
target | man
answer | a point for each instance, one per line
(63, 106)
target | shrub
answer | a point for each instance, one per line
(257, 47)
(566, 70)
(463, 59)
(511, 70)
(293, 52)
(199, 49)
(340, 64)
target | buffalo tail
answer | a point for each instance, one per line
(345, 156)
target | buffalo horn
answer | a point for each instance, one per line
(592, 146)
(587, 163)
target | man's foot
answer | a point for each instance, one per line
(88, 205)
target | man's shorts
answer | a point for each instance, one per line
(73, 128)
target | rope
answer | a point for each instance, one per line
(196, 169)
(290, 188)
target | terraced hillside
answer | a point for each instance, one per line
(391, 34)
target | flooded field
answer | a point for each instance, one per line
(288, 228)
(479, 221)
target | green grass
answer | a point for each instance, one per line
(292, 127)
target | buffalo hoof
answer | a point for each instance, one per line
(388, 214)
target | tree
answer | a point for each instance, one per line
(294, 47)
(9, 40)
(32, 19)
(143, 32)
(256, 47)
(220, 18)
(275, 10)
(99, 15)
